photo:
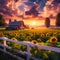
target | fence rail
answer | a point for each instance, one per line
(28, 44)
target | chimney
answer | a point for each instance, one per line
(10, 20)
(15, 20)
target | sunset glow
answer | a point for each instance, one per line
(33, 23)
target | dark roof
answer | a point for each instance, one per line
(15, 23)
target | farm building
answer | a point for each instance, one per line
(15, 25)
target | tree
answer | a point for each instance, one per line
(47, 22)
(2, 21)
(58, 20)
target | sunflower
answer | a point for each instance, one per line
(53, 40)
(39, 40)
(42, 35)
(34, 41)
(48, 34)
(16, 34)
(14, 39)
(10, 33)
(34, 33)
(55, 34)
(1, 34)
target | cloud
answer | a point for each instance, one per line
(29, 8)
(49, 2)
(33, 10)
(12, 7)
(6, 7)
(51, 8)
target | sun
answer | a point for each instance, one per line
(33, 23)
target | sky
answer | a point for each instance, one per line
(29, 9)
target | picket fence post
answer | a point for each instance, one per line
(4, 42)
(28, 52)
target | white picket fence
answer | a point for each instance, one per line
(28, 44)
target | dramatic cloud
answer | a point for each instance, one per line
(29, 8)
(51, 8)
(6, 7)
(12, 7)
(33, 10)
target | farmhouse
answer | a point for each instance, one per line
(15, 25)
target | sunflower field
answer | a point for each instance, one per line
(44, 37)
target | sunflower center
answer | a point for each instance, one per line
(53, 40)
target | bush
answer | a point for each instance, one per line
(47, 22)
(58, 20)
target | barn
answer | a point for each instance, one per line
(16, 25)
